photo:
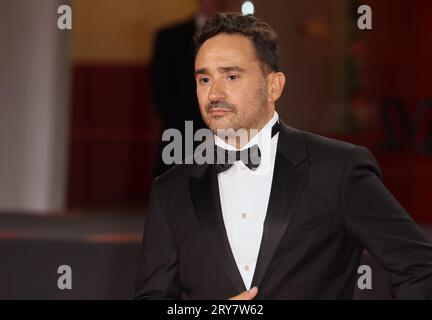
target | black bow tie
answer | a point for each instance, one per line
(251, 157)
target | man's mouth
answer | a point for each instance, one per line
(218, 111)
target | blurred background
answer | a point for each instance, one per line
(82, 110)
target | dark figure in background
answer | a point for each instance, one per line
(172, 75)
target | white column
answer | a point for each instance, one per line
(34, 83)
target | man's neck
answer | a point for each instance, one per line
(243, 136)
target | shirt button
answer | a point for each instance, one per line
(246, 268)
(243, 215)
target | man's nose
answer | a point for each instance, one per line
(217, 92)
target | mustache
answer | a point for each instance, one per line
(220, 105)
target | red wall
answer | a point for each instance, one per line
(113, 137)
(399, 50)
(399, 64)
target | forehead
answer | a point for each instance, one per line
(226, 49)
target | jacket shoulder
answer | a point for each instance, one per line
(319, 143)
(337, 152)
(176, 177)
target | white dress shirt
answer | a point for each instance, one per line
(244, 197)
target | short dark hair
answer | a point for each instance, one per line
(263, 37)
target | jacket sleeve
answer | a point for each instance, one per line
(379, 224)
(157, 276)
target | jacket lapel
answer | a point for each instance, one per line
(205, 196)
(290, 167)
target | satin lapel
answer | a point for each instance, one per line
(205, 196)
(288, 177)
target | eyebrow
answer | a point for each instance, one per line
(221, 70)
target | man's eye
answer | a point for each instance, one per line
(232, 77)
(204, 80)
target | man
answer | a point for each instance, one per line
(173, 62)
(294, 226)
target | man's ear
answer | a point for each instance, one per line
(276, 83)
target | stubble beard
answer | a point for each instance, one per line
(253, 121)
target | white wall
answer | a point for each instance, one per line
(34, 75)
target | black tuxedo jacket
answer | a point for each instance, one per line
(327, 204)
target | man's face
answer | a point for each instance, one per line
(231, 88)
